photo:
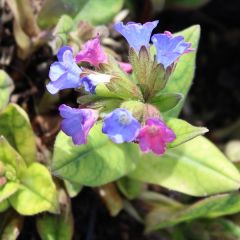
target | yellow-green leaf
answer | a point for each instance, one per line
(196, 168)
(16, 128)
(98, 162)
(37, 192)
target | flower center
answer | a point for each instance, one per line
(124, 118)
(153, 130)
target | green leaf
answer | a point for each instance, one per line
(130, 188)
(6, 88)
(4, 206)
(8, 190)
(166, 101)
(16, 128)
(211, 207)
(181, 79)
(13, 163)
(52, 10)
(184, 131)
(37, 192)
(64, 26)
(99, 12)
(196, 168)
(57, 227)
(73, 189)
(98, 162)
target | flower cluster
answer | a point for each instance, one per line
(120, 124)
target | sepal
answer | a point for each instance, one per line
(150, 76)
(121, 83)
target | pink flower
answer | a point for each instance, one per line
(92, 53)
(126, 67)
(154, 136)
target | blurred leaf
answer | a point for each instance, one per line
(211, 207)
(99, 12)
(232, 150)
(181, 79)
(166, 101)
(111, 198)
(7, 190)
(73, 189)
(184, 131)
(11, 226)
(61, 32)
(24, 26)
(4, 206)
(98, 162)
(130, 188)
(6, 88)
(57, 227)
(93, 11)
(38, 192)
(52, 10)
(16, 128)
(13, 163)
(196, 168)
(185, 4)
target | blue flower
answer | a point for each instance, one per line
(121, 126)
(136, 34)
(92, 80)
(65, 73)
(77, 122)
(169, 48)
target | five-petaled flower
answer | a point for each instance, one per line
(154, 136)
(65, 73)
(169, 48)
(77, 122)
(136, 34)
(121, 126)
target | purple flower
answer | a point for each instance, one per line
(92, 53)
(65, 73)
(77, 122)
(136, 34)
(154, 136)
(92, 80)
(121, 126)
(169, 48)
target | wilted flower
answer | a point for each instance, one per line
(121, 126)
(65, 73)
(154, 136)
(169, 48)
(92, 53)
(77, 122)
(136, 34)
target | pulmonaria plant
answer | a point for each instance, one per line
(120, 95)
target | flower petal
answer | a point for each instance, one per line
(169, 48)
(136, 34)
(92, 53)
(77, 122)
(121, 126)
